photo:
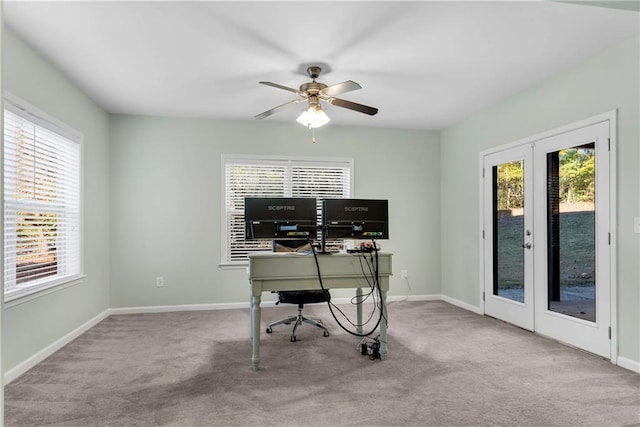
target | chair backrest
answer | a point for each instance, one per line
(299, 297)
(291, 245)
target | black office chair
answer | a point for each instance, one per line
(299, 297)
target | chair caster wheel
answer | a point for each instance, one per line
(293, 339)
(325, 334)
(269, 330)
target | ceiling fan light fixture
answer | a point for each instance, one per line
(314, 92)
(313, 117)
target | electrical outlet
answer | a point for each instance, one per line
(404, 274)
(159, 282)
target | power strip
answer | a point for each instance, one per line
(371, 349)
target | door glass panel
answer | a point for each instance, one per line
(571, 231)
(508, 230)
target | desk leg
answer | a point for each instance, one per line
(383, 327)
(255, 332)
(359, 310)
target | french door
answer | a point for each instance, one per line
(546, 246)
(508, 236)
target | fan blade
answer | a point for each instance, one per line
(352, 106)
(339, 88)
(276, 85)
(278, 108)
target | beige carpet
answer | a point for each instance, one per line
(446, 367)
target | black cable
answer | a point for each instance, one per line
(330, 305)
(382, 305)
(371, 292)
(373, 265)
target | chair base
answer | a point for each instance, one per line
(298, 319)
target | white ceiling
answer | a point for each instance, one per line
(425, 65)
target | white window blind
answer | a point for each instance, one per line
(42, 216)
(246, 176)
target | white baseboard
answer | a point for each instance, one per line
(227, 306)
(436, 297)
(41, 355)
(462, 304)
(632, 365)
(391, 299)
(32, 361)
(623, 362)
(184, 307)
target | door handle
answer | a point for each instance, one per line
(527, 245)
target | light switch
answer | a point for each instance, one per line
(636, 224)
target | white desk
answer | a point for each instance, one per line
(285, 271)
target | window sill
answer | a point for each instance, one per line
(29, 294)
(233, 266)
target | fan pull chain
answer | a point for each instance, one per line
(313, 132)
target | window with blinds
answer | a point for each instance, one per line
(42, 215)
(247, 176)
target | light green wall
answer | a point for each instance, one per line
(163, 176)
(605, 82)
(1, 234)
(29, 327)
(166, 201)
(152, 193)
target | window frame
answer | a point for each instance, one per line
(292, 161)
(35, 288)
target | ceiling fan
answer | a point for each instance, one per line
(313, 92)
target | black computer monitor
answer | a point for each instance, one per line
(355, 219)
(280, 218)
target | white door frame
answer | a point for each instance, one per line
(518, 313)
(611, 117)
(591, 335)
